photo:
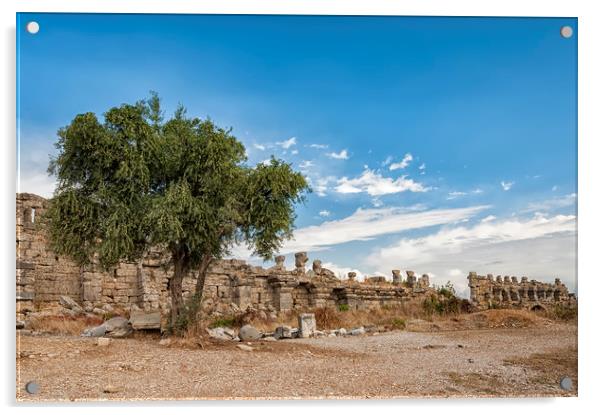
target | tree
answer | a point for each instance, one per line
(136, 182)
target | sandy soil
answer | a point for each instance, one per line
(488, 362)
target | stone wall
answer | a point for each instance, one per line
(507, 291)
(43, 276)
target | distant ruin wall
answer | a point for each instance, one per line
(43, 276)
(508, 292)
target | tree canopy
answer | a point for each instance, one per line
(136, 180)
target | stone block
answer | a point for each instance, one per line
(307, 324)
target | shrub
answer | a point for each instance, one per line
(398, 323)
(223, 322)
(562, 312)
(343, 307)
(327, 318)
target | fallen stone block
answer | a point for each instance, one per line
(145, 321)
(221, 333)
(283, 332)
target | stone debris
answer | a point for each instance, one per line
(164, 342)
(283, 332)
(117, 327)
(248, 332)
(358, 331)
(222, 334)
(245, 347)
(97, 331)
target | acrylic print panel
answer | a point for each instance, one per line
(217, 207)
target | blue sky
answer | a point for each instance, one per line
(442, 145)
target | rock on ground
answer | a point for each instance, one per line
(248, 332)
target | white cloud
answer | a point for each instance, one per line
(295, 152)
(287, 143)
(422, 166)
(319, 146)
(506, 185)
(552, 204)
(540, 247)
(38, 183)
(366, 224)
(305, 164)
(405, 162)
(376, 202)
(477, 191)
(376, 185)
(324, 213)
(342, 155)
(554, 188)
(455, 272)
(455, 195)
(259, 146)
(488, 219)
(322, 183)
(387, 161)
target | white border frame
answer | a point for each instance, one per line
(589, 168)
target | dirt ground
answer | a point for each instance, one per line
(460, 363)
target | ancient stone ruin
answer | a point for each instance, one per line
(506, 292)
(43, 277)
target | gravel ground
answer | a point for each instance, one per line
(490, 362)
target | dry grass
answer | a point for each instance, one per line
(479, 383)
(549, 367)
(507, 318)
(63, 324)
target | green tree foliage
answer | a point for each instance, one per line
(135, 181)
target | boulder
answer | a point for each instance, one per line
(342, 331)
(221, 333)
(358, 331)
(116, 327)
(68, 302)
(248, 332)
(97, 331)
(120, 332)
(116, 323)
(283, 332)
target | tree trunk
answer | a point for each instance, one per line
(175, 287)
(200, 282)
